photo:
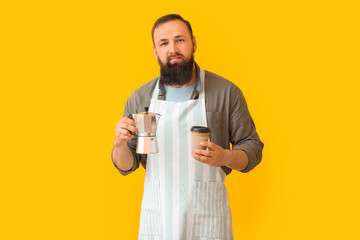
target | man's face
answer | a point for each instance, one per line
(173, 43)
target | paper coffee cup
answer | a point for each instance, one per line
(198, 134)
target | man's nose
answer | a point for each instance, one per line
(173, 48)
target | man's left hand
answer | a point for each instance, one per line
(214, 155)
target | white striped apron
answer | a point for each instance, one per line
(183, 198)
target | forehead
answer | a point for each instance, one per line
(171, 29)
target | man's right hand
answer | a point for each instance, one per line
(123, 129)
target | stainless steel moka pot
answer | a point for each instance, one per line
(146, 131)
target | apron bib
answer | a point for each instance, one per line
(183, 198)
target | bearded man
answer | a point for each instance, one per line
(184, 192)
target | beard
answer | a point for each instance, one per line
(177, 74)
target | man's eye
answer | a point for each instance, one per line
(163, 44)
(180, 40)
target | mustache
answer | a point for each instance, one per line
(174, 55)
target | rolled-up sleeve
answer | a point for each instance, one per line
(135, 165)
(243, 135)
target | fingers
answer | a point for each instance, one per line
(206, 153)
(205, 159)
(209, 145)
(201, 158)
(127, 120)
(126, 123)
(203, 155)
(213, 155)
(125, 126)
(210, 151)
(122, 132)
(123, 129)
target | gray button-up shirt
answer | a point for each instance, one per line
(227, 116)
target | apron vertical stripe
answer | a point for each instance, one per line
(151, 203)
(198, 178)
(158, 222)
(217, 213)
(228, 219)
(206, 204)
(212, 173)
(218, 175)
(175, 173)
(190, 170)
(198, 121)
(221, 221)
(169, 148)
(161, 155)
(206, 167)
(153, 219)
(206, 172)
(183, 170)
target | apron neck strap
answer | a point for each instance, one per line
(156, 90)
(202, 84)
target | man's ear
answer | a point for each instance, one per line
(155, 52)
(194, 43)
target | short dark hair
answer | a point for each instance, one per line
(167, 18)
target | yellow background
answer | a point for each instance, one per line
(67, 68)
